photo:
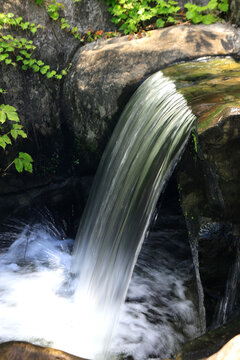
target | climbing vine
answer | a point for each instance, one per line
(14, 50)
(10, 130)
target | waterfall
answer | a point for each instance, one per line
(140, 157)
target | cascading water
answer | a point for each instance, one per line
(80, 318)
(147, 142)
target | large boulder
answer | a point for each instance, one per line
(104, 74)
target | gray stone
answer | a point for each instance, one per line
(104, 73)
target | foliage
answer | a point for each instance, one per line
(53, 9)
(206, 14)
(10, 129)
(134, 15)
(23, 162)
(14, 50)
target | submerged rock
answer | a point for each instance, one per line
(19, 350)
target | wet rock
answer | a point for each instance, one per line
(16, 350)
(210, 343)
(209, 180)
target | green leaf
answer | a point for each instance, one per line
(28, 167)
(171, 19)
(3, 57)
(2, 142)
(54, 15)
(212, 4)
(160, 23)
(14, 133)
(2, 116)
(22, 133)
(25, 157)
(51, 74)
(18, 164)
(209, 19)
(44, 69)
(7, 139)
(223, 7)
(11, 112)
(36, 68)
(10, 49)
(17, 126)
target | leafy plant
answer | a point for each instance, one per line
(133, 15)
(206, 14)
(23, 162)
(53, 9)
(10, 129)
(14, 50)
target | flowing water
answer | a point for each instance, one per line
(159, 313)
(74, 302)
(142, 153)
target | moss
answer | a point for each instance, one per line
(211, 342)
(212, 89)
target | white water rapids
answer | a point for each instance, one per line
(155, 320)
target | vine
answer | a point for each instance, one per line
(15, 50)
(10, 130)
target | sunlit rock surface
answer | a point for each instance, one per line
(14, 350)
(230, 351)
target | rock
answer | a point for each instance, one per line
(105, 73)
(19, 350)
(212, 91)
(211, 342)
(36, 97)
(230, 351)
(235, 12)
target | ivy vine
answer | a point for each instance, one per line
(14, 50)
(10, 130)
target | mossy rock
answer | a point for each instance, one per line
(210, 342)
(211, 87)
